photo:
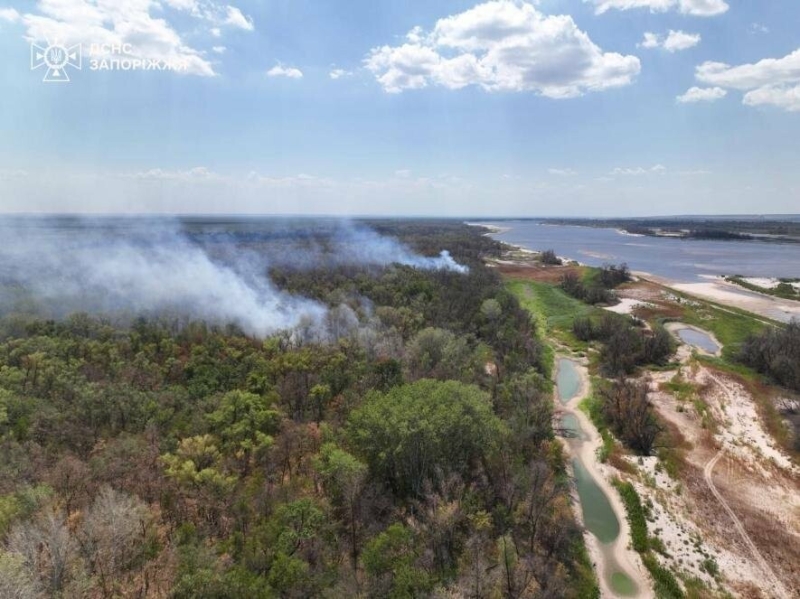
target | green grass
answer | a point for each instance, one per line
(730, 326)
(554, 310)
(636, 515)
(665, 584)
(592, 407)
(680, 387)
(784, 290)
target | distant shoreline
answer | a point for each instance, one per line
(716, 289)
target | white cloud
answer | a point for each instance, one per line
(9, 14)
(699, 8)
(198, 173)
(651, 40)
(215, 31)
(140, 24)
(786, 97)
(680, 40)
(282, 71)
(339, 74)
(218, 49)
(502, 45)
(702, 94)
(562, 172)
(638, 170)
(771, 81)
(235, 18)
(188, 5)
(672, 42)
(758, 28)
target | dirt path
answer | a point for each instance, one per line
(627, 559)
(708, 471)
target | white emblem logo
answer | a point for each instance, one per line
(57, 59)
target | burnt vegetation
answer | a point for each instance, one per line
(410, 455)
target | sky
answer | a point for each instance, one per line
(400, 107)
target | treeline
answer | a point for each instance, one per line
(411, 456)
(775, 353)
(700, 228)
(624, 345)
(598, 287)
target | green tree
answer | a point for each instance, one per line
(389, 560)
(422, 431)
(245, 422)
(343, 477)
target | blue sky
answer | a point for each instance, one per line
(557, 107)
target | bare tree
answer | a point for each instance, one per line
(627, 407)
(46, 547)
(16, 579)
(113, 535)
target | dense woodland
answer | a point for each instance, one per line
(410, 456)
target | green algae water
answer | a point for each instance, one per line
(568, 381)
(622, 585)
(598, 516)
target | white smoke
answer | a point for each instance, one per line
(153, 267)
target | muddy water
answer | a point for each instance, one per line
(598, 515)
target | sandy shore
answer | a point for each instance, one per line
(728, 294)
(627, 559)
(493, 229)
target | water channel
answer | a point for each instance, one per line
(598, 515)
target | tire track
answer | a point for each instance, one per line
(708, 472)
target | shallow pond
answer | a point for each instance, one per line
(698, 339)
(572, 428)
(598, 516)
(568, 380)
(622, 585)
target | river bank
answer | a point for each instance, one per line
(617, 565)
(691, 267)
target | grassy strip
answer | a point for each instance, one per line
(666, 586)
(636, 517)
(730, 327)
(592, 407)
(783, 290)
(554, 310)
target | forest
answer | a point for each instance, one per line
(411, 454)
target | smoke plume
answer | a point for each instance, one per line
(147, 267)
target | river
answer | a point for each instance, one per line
(679, 260)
